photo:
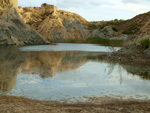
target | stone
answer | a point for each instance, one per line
(108, 31)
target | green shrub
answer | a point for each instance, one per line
(104, 41)
(116, 20)
(145, 43)
(97, 39)
(93, 40)
(92, 27)
(71, 40)
(115, 29)
(127, 32)
(101, 27)
(134, 25)
(132, 28)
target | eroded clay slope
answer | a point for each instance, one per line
(13, 31)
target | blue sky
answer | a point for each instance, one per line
(96, 10)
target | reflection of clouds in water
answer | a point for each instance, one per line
(45, 64)
(87, 80)
(28, 79)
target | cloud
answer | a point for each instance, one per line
(135, 1)
(95, 3)
(70, 3)
(130, 1)
(27, 3)
(129, 6)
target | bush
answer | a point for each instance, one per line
(115, 29)
(101, 27)
(92, 27)
(116, 20)
(127, 32)
(132, 28)
(104, 41)
(145, 43)
(97, 39)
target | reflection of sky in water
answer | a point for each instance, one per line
(70, 47)
(90, 80)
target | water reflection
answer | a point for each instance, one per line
(90, 70)
(45, 64)
(10, 63)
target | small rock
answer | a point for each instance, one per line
(133, 57)
(119, 58)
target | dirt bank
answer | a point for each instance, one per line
(132, 53)
(10, 104)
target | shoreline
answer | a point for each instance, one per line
(13, 104)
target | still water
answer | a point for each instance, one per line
(55, 72)
(71, 47)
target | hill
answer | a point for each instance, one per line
(60, 25)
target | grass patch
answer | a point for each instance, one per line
(132, 28)
(127, 32)
(97, 39)
(71, 40)
(145, 43)
(94, 40)
(94, 27)
(104, 41)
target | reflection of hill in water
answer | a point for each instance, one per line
(46, 64)
(10, 63)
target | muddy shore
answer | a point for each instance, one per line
(11, 104)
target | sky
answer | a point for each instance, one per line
(96, 10)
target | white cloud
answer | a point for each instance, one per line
(139, 8)
(70, 3)
(131, 1)
(96, 3)
(135, 1)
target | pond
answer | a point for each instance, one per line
(69, 72)
(71, 47)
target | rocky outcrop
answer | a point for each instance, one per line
(13, 31)
(60, 25)
(54, 24)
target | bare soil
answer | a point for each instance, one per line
(11, 104)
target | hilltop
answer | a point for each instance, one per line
(134, 26)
